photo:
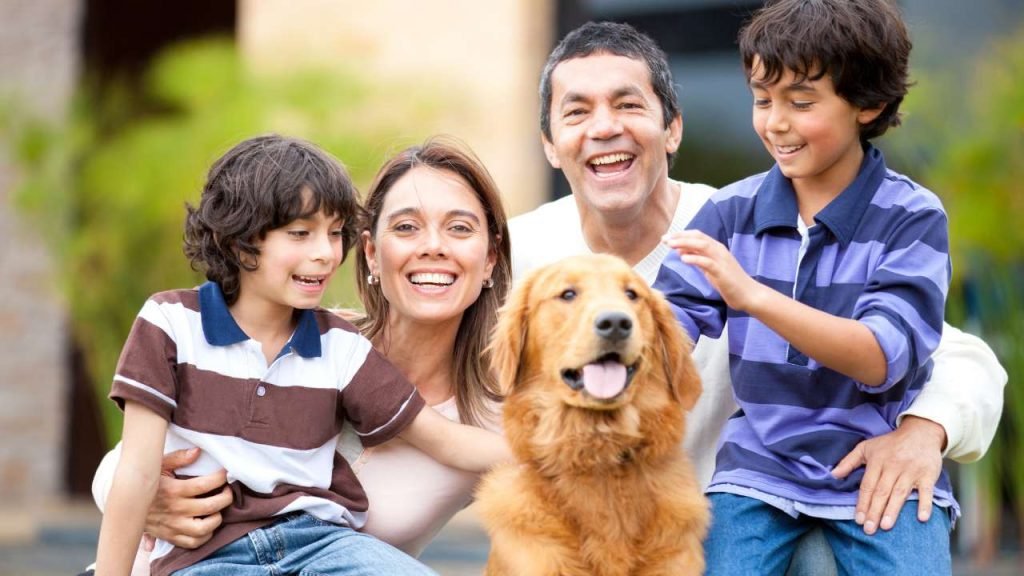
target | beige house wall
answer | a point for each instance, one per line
(480, 60)
(38, 66)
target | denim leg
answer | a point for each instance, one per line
(317, 548)
(748, 537)
(302, 544)
(909, 548)
(239, 557)
(813, 556)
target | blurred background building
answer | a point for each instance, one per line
(111, 109)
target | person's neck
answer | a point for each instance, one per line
(814, 194)
(268, 324)
(634, 234)
(423, 353)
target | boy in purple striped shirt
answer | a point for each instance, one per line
(832, 271)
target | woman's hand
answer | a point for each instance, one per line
(180, 514)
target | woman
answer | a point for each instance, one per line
(434, 269)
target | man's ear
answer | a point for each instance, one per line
(675, 134)
(549, 152)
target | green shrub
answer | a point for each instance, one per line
(107, 188)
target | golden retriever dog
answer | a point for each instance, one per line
(598, 378)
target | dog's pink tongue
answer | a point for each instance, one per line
(604, 380)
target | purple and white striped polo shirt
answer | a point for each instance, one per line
(878, 254)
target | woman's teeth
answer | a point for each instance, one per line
(432, 278)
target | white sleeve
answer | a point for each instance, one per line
(964, 394)
(105, 477)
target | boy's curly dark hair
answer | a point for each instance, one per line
(863, 45)
(258, 186)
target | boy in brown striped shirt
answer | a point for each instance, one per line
(248, 368)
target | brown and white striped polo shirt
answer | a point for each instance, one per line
(273, 428)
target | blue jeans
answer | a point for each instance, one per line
(748, 536)
(304, 545)
(813, 556)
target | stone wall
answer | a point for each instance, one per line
(482, 60)
(39, 45)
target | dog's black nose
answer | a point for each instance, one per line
(613, 325)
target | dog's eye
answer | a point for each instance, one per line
(631, 294)
(568, 295)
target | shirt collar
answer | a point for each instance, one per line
(775, 204)
(220, 327)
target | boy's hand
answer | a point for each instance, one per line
(737, 288)
(178, 514)
(896, 463)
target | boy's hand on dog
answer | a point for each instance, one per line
(896, 463)
(178, 514)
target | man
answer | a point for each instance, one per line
(611, 123)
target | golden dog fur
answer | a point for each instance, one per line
(601, 486)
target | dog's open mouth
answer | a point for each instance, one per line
(602, 379)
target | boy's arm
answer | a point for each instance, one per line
(134, 484)
(456, 445)
(842, 344)
(693, 298)
(959, 409)
(181, 513)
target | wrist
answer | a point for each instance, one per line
(758, 298)
(925, 429)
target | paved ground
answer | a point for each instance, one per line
(60, 540)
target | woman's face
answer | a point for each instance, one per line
(431, 249)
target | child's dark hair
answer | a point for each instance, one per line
(863, 45)
(256, 187)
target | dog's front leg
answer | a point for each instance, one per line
(528, 537)
(514, 553)
(678, 552)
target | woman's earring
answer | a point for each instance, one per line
(372, 280)
(489, 283)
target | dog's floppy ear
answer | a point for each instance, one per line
(676, 348)
(509, 336)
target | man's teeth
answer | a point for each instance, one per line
(432, 278)
(310, 280)
(788, 149)
(611, 159)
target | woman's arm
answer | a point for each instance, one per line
(456, 445)
(133, 488)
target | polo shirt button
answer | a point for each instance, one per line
(261, 391)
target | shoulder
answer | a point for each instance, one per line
(548, 233)
(692, 197)
(695, 190)
(187, 298)
(746, 188)
(900, 191)
(175, 312)
(345, 348)
(549, 212)
(335, 320)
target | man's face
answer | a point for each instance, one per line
(607, 132)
